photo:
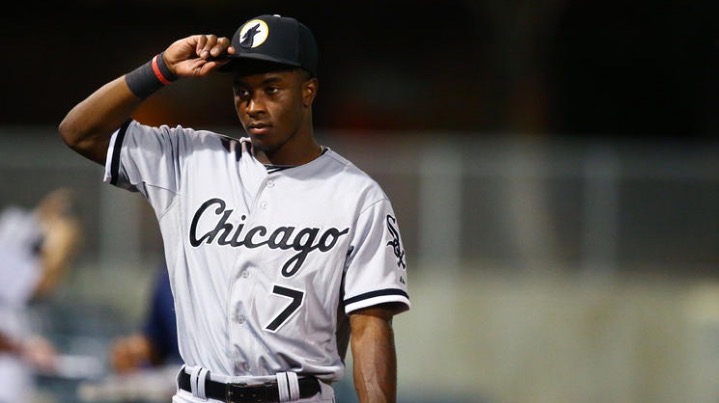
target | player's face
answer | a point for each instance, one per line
(275, 111)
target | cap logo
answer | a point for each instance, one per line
(253, 34)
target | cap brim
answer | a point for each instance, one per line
(250, 63)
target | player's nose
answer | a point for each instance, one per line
(255, 105)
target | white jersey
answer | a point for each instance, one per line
(20, 269)
(20, 272)
(265, 262)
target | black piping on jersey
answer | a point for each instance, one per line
(115, 163)
(378, 293)
(232, 145)
(276, 168)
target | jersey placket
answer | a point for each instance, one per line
(243, 327)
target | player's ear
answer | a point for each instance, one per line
(309, 91)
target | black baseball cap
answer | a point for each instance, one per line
(274, 40)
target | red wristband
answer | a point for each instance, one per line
(150, 77)
(162, 72)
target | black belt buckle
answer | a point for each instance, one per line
(234, 391)
(242, 393)
(228, 392)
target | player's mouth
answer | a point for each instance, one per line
(259, 129)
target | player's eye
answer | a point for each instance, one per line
(242, 93)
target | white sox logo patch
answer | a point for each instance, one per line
(253, 34)
(303, 240)
(394, 243)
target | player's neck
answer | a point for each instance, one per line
(285, 157)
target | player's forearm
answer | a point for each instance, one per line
(374, 359)
(87, 128)
(62, 239)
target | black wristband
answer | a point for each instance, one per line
(150, 77)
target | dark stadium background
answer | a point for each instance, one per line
(554, 68)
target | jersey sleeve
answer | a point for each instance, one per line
(145, 159)
(376, 270)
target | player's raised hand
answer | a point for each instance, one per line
(197, 55)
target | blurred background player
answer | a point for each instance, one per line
(36, 247)
(155, 344)
(143, 364)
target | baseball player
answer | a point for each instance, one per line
(37, 247)
(281, 253)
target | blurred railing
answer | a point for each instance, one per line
(592, 205)
(588, 205)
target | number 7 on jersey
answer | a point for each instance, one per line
(296, 298)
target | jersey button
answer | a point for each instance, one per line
(263, 205)
(241, 319)
(270, 184)
(245, 274)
